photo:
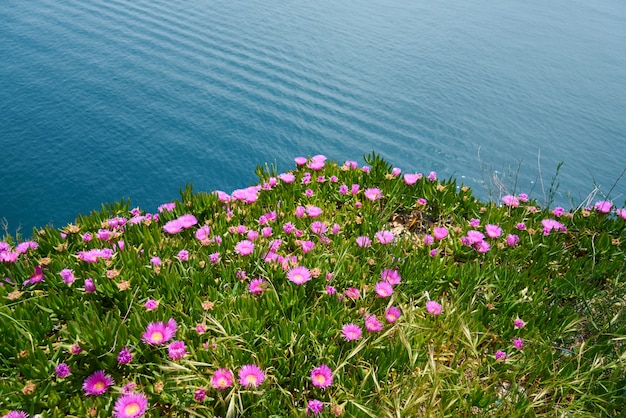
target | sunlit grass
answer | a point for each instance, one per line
(456, 306)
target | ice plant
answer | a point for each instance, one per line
(383, 289)
(433, 308)
(351, 332)
(159, 333)
(62, 370)
(322, 376)
(518, 343)
(97, 383)
(519, 323)
(124, 356)
(16, 414)
(299, 275)
(176, 350)
(315, 406)
(222, 379)
(132, 405)
(392, 314)
(251, 375)
(373, 193)
(372, 324)
(244, 247)
(151, 304)
(256, 286)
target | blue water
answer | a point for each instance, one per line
(105, 99)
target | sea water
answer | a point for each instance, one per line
(108, 99)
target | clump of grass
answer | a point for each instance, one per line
(330, 290)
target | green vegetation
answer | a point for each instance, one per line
(419, 298)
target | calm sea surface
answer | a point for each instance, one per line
(105, 99)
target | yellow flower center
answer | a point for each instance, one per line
(156, 337)
(131, 409)
(221, 382)
(99, 385)
(297, 278)
(319, 378)
(251, 379)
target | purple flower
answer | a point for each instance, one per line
(256, 286)
(511, 201)
(124, 356)
(151, 304)
(501, 355)
(410, 179)
(159, 333)
(299, 275)
(183, 255)
(372, 324)
(519, 323)
(16, 414)
(67, 276)
(392, 314)
(518, 343)
(373, 194)
(440, 233)
(384, 237)
(62, 370)
(90, 286)
(222, 379)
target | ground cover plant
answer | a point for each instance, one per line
(328, 290)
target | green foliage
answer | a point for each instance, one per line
(567, 285)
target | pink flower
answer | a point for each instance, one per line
(75, 349)
(251, 375)
(352, 293)
(307, 246)
(67, 276)
(621, 213)
(222, 379)
(373, 193)
(372, 324)
(266, 232)
(132, 405)
(432, 176)
(300, 160)
(428, 239)
(433, 308)
(315, 406)
(330, 290)
(244, 247)
(176, 350)
(183, 255)
(493, 231)
(501, 355)
(351, 332)
(392, 314)
(558, 211)
(519, 323)
(363, 242)
(521, 226)
(440, 233)
(166, 207)
(511, 201)
(159, 333)
(62, 370)
(396, 171)
(322, 376)
(203, 233)
(200, 328)
(351, 164)
(603, 206)
(16, 414)
(299, 275)
(355, 189)
(313, 211)
(151, 304)
(287, 177)
(90, 286)
(482, 247)
(391, 276)
(512, 240)
(518, 343)
(97, 383)
(300, 211)
(318, 227)
(551, 224)
(214, 258)
(343, 189)
(256, 286)
(384, 237)
(411, 179)
(173, 227)
(474, 222)
(383, 289)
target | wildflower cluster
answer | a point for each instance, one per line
(328, 289)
